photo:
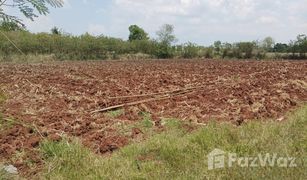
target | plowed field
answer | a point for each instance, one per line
(55, 99)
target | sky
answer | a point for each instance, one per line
(197, 21)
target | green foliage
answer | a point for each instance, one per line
(73, 155)
(2, 97)
(62, 46)
(137, 33)
(6, 123)
(10, 26)
(56, 31)
(209, 52)
(165, 39)
(301, 45)
(176, 154)
(147, 121)
(142, 46)
(268, 44)
(217, 47)
(244, 49)
(166, 35)
(115, 113)
(163, 51)
(227, 50)
(281, 48)
(190, 50)
(27, 8)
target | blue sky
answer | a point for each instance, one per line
(199, 21)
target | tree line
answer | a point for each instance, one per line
(64, 46)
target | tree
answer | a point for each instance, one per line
(227, 50)
(281, 48)
(27, 8)
(245, 48)
(268, 43)
(165, 39)
(166, 34)
(301, 44)
(137, 33)
(56, 31)
(217, 47)
(293, 48)
(190, 50)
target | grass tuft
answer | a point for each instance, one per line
(6, 123)
(2, 97)
(115, 113)
(146, 121)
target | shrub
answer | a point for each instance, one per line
(190, 50)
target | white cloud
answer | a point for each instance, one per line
(267, 20)
(40, 24)
(207, 18)
(155, 7)
(188, 7)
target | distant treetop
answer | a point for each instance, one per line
(137, 33)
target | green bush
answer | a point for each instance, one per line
(245, 49)
(190, 50)
(163, 51)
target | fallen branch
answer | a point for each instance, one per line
(141, 101)
(128, 104)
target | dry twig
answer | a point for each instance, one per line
(162, 97)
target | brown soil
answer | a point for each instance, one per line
(49, 100)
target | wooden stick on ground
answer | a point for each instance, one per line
(129, 104)
(167, 96)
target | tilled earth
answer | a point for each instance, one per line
(56, 99)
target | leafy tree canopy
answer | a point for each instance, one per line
(137, 33)
(56, 31)
(268, 43)
(217, 45)
(281, 47)
(301, 44)
(166, 34)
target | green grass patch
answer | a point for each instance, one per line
(4, 175)
(172, 124)
(6, 123)
(145, 124)
(115, 113)
(146, 121)
(2, 97)
(176, 154)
